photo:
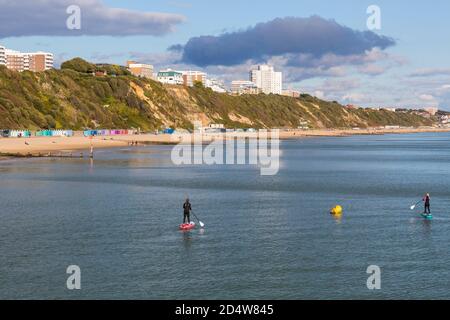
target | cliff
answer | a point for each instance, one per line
(73, 98)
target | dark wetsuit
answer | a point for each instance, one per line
(187, 212)
(427, 204)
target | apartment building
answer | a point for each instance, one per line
(39, 61)
(15, 60)
(244, 87)
(192, 77)
(140, 69)
(170, 76)
(216, 85)
(291, 93)
(432, 110)
(35, 61)
(2, 56)
(265, 78)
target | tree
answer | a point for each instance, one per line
(79, 65)
(199, 84)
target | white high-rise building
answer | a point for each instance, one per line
(267, 79)
(2, 56)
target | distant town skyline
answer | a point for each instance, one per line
(322, 47)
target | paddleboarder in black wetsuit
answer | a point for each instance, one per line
(187, 211)
(426, 199)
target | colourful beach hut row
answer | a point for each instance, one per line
(41, 133)
(116, 132)
(54, 133)
(15, 133)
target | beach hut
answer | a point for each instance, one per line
(19, 134)
(68, 133)
(103, 132)
(62, 133)
(57, 133)
(43, 133)
(54, 133)
(90, 133)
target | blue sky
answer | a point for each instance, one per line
(413, 72)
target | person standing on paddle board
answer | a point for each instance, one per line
(426, 200)
(187, 211)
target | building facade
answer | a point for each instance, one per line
(187, 78)
(192, 77)
(140, 69)
(34, 61)
(291, 93)
(244, 87)
(39, 61)
(170, 76)
(216, 85)
(432, 110)
(15, 60)
(2, 56)
(265, 78)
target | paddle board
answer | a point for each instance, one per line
(187, 226)
(427, 216)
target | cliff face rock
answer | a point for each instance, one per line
(76, 100)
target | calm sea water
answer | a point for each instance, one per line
(266, 237)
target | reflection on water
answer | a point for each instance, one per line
(427, 227)
(187, 239)
(337, 218)
(91, 165)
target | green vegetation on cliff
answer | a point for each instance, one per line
(72, 98)
(83, 66)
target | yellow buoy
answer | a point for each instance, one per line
(337, 210)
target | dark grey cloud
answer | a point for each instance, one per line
(176, 48)
(48, 18)
(310, 37)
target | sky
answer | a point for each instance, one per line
(323, 47)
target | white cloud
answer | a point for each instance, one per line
(427, 97)
(340, 85)
(355, 98)
(319, 94)
(372, 69)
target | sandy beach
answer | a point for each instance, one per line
(54, 146)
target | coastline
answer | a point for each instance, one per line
(65, 146)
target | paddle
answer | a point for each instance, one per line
(201, 223)
(414, 206)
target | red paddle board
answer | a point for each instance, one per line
(187, 226)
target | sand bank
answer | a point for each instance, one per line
(37, 146)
